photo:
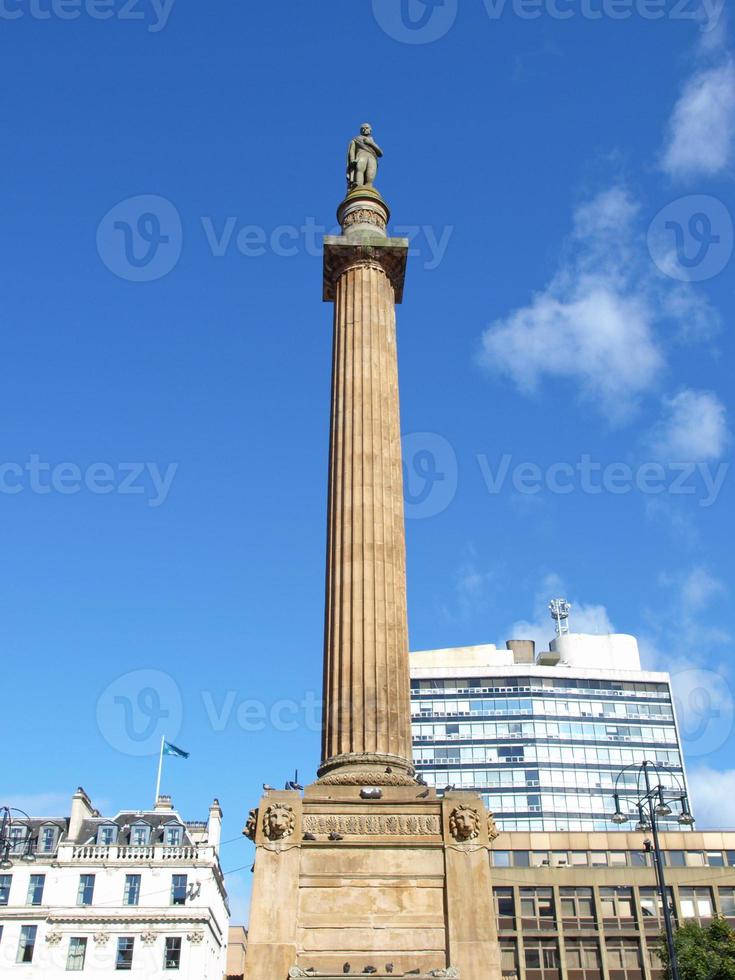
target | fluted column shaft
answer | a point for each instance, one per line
(366, 672)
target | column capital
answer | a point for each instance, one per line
(341, 252)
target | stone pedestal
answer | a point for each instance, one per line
(401, 881)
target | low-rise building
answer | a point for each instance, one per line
(580, 906)
(141, 892)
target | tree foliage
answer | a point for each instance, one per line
(703, 952)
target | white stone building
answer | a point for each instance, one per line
(141, 892)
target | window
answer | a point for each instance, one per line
(140, 834)
(35, 890)
(131, 895)
(124, 957)
(107, 834)
(173, 835)
(5, 881)
(715, 859)
(624, 954)
(501, 859)
(577, 903)
(639, 859)
(85, 892)
(27, 944)
(172, 953)
(47, 841)
(617, 903)
(178, 889)
(509, 959)
(543, 955)
(521, 859)
(674, 859)
(584, 954)
(537, 905)
(504, 908)
(77, 953)
(727, 902)
(696, 903)
(580, 859)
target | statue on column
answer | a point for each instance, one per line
(362, 159)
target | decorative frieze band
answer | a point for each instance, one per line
(364, 824)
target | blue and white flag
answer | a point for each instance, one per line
(170, 749)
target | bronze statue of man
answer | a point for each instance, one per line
(362, 159)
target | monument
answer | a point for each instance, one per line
(369, 871)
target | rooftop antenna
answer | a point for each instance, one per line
(559, 609)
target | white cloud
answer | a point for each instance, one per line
(701, 137)
(595, 324)
(698, 589)
(713, 797)
(693, 428)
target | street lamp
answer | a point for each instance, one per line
(653, 804)
(10, 842)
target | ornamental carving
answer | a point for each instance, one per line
(492, 828)
(295, 973)
(279, 821)
(101, 938)
(464, 823)
(364, 216)
(148, 938)
(451, 971)
(195, 937)
(364, 825)
(251, 825)
(367, 779)
(53, 938)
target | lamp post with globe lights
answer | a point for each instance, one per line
(651, 801)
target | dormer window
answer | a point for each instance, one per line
(173, 835)
(47, 839)
(140, 834)
(107, 834)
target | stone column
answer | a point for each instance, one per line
(367, 722)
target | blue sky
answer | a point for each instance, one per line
(565, 170)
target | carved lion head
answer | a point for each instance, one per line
(464, 823)
(279, 821)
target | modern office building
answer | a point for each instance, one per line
(140, 892)
(543, 737)
(585, 906)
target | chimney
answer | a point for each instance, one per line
(214, 827)
(81, 810)
(524, 651)
(164, 804)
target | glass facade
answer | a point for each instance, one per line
(542, 748)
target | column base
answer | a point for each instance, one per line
(367, 769)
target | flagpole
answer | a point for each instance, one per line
(160, 770)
